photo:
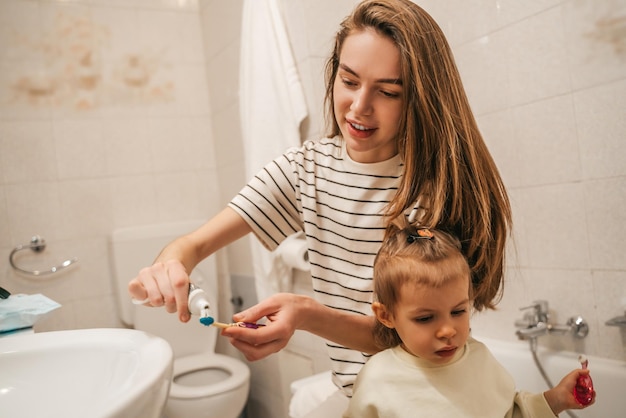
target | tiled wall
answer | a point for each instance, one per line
(546, 78)
(104, 123)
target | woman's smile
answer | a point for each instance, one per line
(368, 96)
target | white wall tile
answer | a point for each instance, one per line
(537, 57)
(28, 151)
(511, 11)
(601, 123)
(224, 81)
(80, 149)
(547, 142)
(221, 25)
(33, 209)
(80, 200)
(605, 204)
(5, 232)
(596, 43)
(176, 194)
(555, 226)
(134, 200)
(124, 40)
(322, 22)
(502, 139)
(518, 246)
(192, 90)
(610, 288)
(127, 146)
(484, 72)
(452, 17)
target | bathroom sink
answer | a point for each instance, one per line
(96, 373)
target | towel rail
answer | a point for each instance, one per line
(38, 244)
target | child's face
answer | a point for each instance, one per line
(433, 323)
(368, 98)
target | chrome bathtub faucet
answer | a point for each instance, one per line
(536, 322)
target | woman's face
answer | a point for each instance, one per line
(368, 98)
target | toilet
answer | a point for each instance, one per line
(205, 384)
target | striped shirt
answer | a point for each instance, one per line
(339, 205)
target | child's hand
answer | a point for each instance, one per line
(561, 397)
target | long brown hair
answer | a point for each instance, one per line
(447, 165)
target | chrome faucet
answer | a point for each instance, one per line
(618, 321)
(536, 322)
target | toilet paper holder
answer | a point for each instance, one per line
(294, 252)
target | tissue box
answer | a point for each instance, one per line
(22, 311)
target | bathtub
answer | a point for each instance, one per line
(609, 378)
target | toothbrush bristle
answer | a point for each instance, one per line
(207, 320)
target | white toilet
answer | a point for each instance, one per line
(205, 384)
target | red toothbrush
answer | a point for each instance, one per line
(583, 391)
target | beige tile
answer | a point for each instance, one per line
(595, 42)
(601, 126)
(605, 201)
(80, 149)
(484, 72)
(134, 200)
(28, 153)
(503, 142)
(547, 142)
(536, 58)
(555, 227)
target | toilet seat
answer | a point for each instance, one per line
(238, 375)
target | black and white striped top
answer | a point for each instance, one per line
(339, 204)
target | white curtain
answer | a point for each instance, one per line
(272, 107)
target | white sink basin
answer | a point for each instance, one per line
(96, 373)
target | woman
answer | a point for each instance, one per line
(403, 141)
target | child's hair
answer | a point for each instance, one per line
(410, 254)
(447, 166)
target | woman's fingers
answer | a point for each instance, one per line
(179, 282)
(259, 350)
(163, 284)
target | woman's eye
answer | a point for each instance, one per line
(348, 82)
(390, 94)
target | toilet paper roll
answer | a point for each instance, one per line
(293, 252)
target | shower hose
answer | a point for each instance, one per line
(533, 350)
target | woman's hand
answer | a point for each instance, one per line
(163, 284)
(284, 313)
(166, 282)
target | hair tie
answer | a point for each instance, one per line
(420, 233)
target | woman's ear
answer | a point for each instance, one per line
(383, 315)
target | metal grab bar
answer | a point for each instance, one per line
(38, 244)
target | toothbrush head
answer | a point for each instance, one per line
(207, 320)
(582, 359)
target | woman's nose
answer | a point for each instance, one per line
(362, 103)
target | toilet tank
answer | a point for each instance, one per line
(136, 247)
